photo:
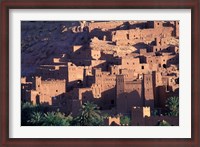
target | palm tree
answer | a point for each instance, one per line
(36, 119)
(90, 115)
(26, 110)
(30, 113)
(56, 119)
(172, 104)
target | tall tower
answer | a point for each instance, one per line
(148, 90)
(98, 76)
(120, 95)
(37, 83)
(120, 84)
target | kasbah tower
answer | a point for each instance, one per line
(125, 67)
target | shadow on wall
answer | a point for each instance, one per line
(162, 94)
(82, 53)
(174, 60)
(99, 33)
(128, 26)
(125, 101)
(105, 102)
(141, 45)
(80, 38)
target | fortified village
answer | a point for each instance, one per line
(125, 67)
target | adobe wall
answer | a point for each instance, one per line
(75, 73)
(33, 96)
(24, 89)
(132, 34)
(128, 94)
(95, 54)
(52, 72)
(114, 69)
(104, 25)
(101, 34)
(23, 80)
(82, 94)
(76, 106)
(99, 64)
(141, 117)
(46, 90)
(137, 116)
(112, 121)
(148, 90)
(129, 74)
(76, 48)
(109, 84)
(177, 29)
(134, 65)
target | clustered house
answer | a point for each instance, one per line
(125, 67)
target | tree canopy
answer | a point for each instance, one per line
(172, 104)
(89, 115)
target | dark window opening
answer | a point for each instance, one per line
(142, 67)
(164, 66)
(127, 36)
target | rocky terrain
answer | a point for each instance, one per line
(42, 41)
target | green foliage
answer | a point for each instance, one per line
(36, 119)
(172, 104)
(26, 111)
(36, 115)
(155, 112)
(164, 123)
(89, 115)
(125, 120)
(105, 115)
(56, 119)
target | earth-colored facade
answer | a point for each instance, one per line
(125, 67)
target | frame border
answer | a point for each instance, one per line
(103, 4)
